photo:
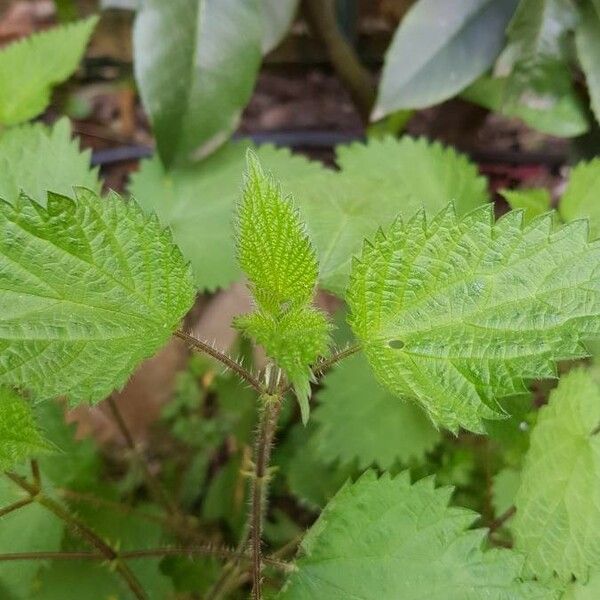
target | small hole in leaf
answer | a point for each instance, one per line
(396, 344)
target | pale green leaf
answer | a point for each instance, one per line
(533, 201)
(580, 199)
(89, 289)
(29, 529)
(195, 89)
(460, 312)
(277, 17)
(563, 115)
(587, 40)
(20, 437)
(385, 538)
(504, 489)
(36, 159)
(558, 502)
(588, 590)
(537, 46)
(276, 254)
(440, 48)
(360, 421)
(30, 68)
(377, 181)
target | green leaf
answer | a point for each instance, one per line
(359, 420)
(277, 17)
(580, 198)
(563, 115)
(31, 67)
(31, 528)
(377, 181)
(89, 289)
(558, 502)
(20, 437)
(195, 90)
(35, 159)
(460, 312)
(587, 40)
(537, 48)
(439, 49)
(505, 486)
(275, 252)
(386, 538)
(588, 590)
(533, 201)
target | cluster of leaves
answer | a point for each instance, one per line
(455, 314)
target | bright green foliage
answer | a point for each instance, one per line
(558, 502)
(505, 486)
(565, 116)
(587, 39)
(281, 264)
(378, 180)
(534, 201)
(589, 590)
(359, 420)
(537, 39)
(386, 538)
(35, 159)
(29, 68)
(197, 203)
(19, 435)
(438, 49)
(580, 199)
(30, 529)
(116, 289)
(195, 90)
(459, 312)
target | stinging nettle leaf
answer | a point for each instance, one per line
(30, 67)
(385, 538)
(195, 87)
(587, 40)
(20, 437)
(89, 289)
(439, 49)
(580, 197)
(558, 502)
(459, 313)
(533, 201)
(35, 159)
(275, 252)
(359, 420)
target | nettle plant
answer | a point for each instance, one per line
(455, 313)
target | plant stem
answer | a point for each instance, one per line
(260, 479)
(505, 516)
(79, 527)
(201, 346)
(321, 16)
(155, 487)
(15, 506)
(143, 553)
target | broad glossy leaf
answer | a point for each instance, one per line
(587, 39)
(277, 16)
(537, 48)
(89, 289)
(277, 256)
(36, 159)
(30, 68)
(20, 437)
(458, 313)
(558, 502)
(360, 421)
(385, 538)
(580, 199)
(195, 64)
(563, 115)
(439, 49)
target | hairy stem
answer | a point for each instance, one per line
(321, 16)
(201, 346)
(81, 529)
(15, 506)
(260, 478)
